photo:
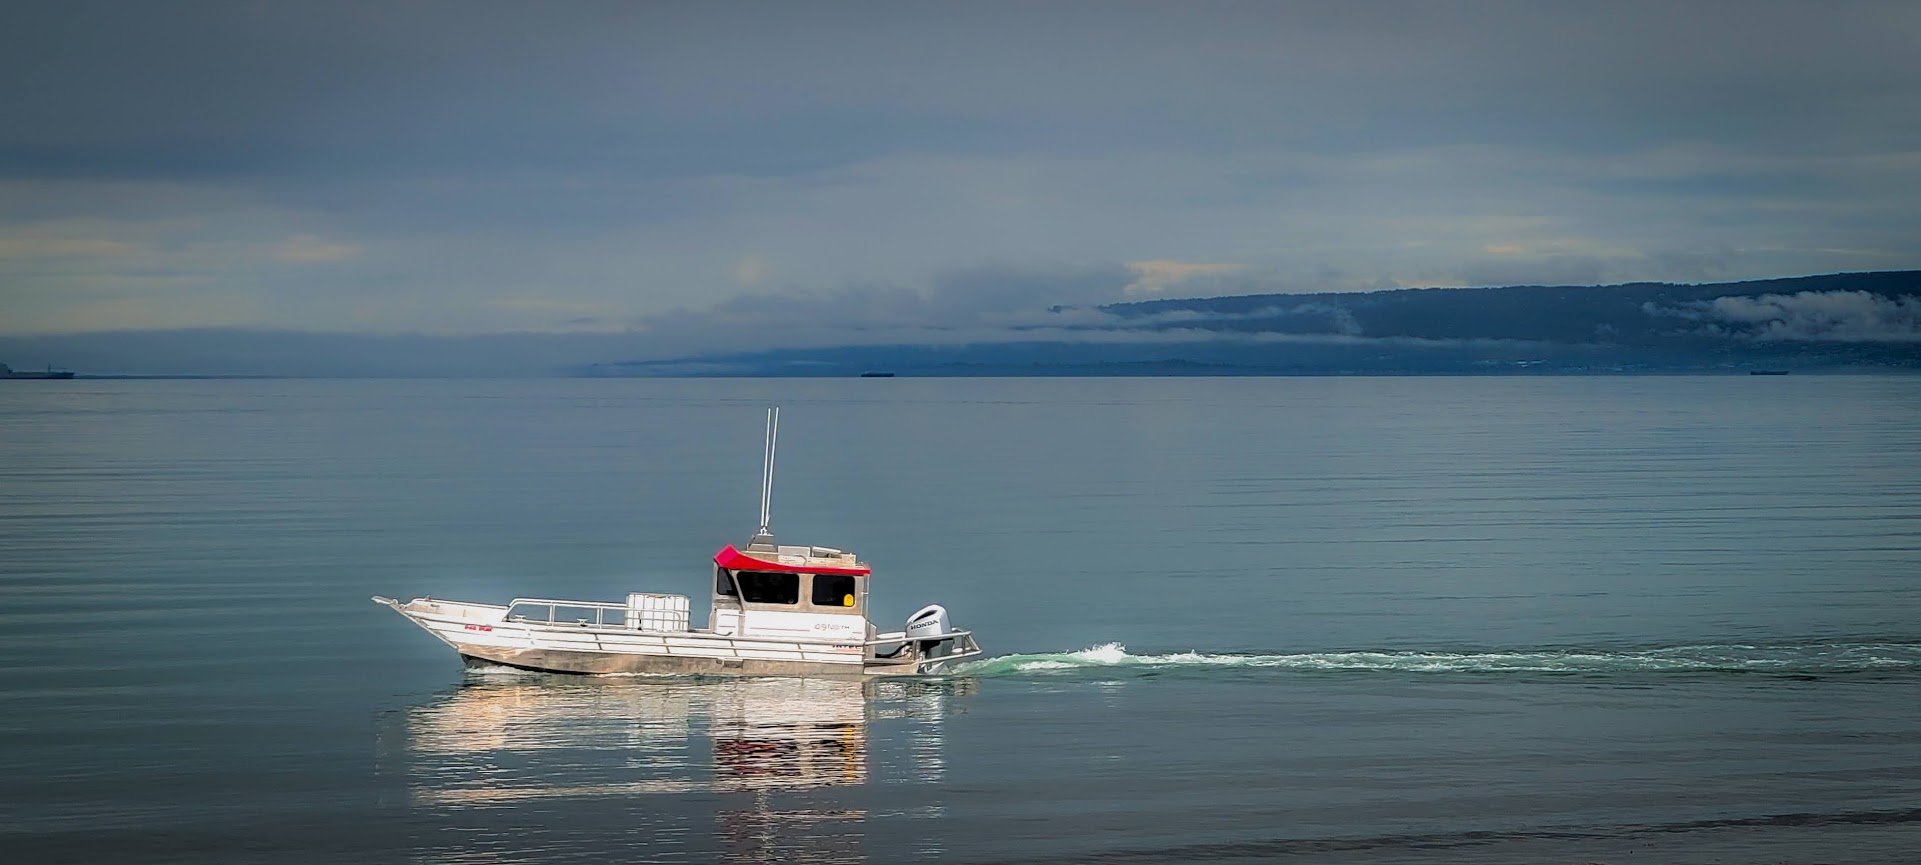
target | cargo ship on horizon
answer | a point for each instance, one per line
(49, 372)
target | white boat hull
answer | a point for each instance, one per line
(481, 634)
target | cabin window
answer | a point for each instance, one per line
(834, 590)
(762, 587)
(722, 585)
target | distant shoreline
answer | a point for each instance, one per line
(1897, 372)
(1844, 322)
(186, 377)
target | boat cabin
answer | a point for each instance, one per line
(790, 591)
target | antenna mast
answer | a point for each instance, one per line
(766, 535)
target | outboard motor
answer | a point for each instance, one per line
(931, 621)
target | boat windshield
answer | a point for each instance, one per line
(765, 587)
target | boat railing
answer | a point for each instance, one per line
(550, 611)
(964, 648)
(911, 650)
(901, 637)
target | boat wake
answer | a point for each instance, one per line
(1811, 659)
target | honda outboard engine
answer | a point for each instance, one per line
(931, 621)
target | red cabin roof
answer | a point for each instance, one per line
(734, 559)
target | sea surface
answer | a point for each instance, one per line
(1330, 620)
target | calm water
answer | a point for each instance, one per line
(1332, 620)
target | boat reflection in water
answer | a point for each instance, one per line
(736, 769)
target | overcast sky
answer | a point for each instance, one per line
(477, 167)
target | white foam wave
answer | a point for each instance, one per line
(505, 674)
(1813, 659)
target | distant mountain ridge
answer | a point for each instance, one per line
(1630, 313)
(1837, 322)
(1833, 322)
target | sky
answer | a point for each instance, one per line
(676, 172)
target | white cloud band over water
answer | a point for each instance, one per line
(1812, 316)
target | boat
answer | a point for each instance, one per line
(49, 372)
(775, 610)
(1768, 372)
(875, 373)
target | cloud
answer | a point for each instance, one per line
(1300, 319)
(959, 305)
(310, 249)
(1154, 277)
(1509, 269)
(977, 306)
(1808, 316)
(64, 247)
(153, 313)
(1560, 260)
(559, 315)
(749, 270)
(644, 157)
